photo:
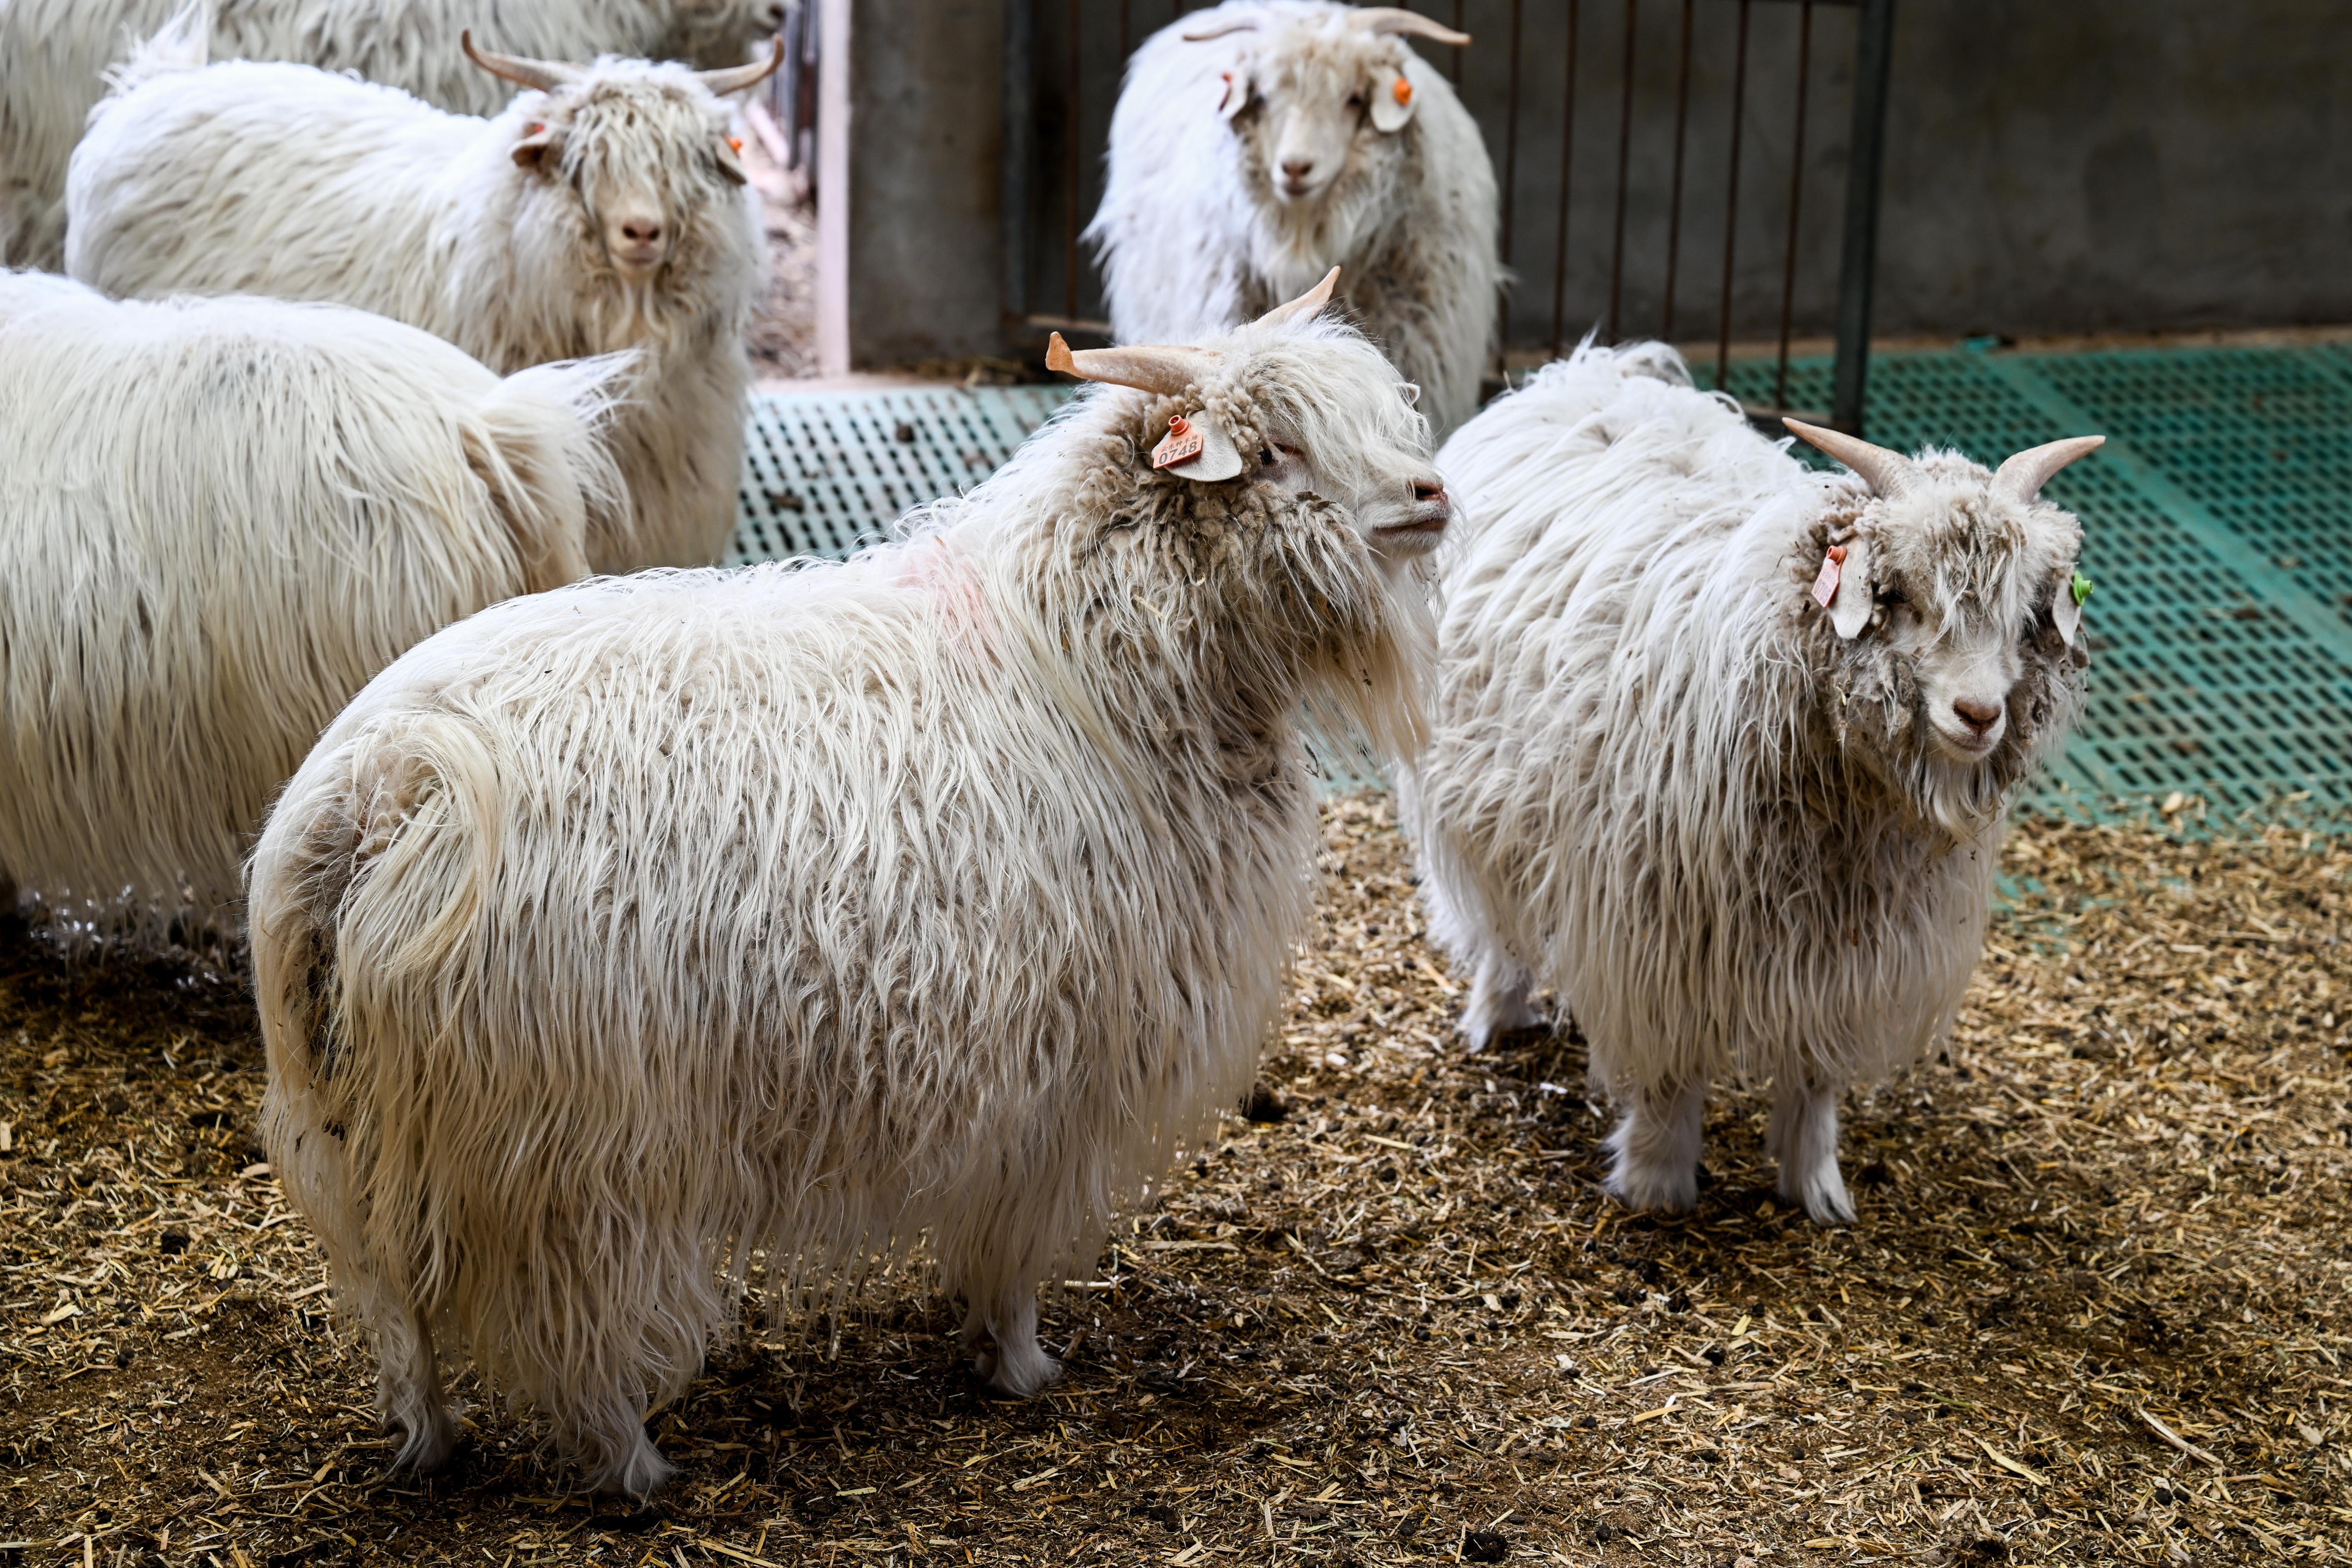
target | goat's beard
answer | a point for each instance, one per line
(1294, 244)
(638, 313)
(1889, 733)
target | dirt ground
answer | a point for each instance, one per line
(2094, 1311)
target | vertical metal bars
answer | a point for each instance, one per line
(1063, 66)
(1796, 196)
(1624, 167)
(1675, 201)
(1731, 199)
(1567, 160)
(1873, 53)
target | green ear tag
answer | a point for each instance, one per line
(2081, 586)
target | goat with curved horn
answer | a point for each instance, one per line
(1241, 25)
(735, 78)
(544, 75)
(2025, 474)
(1148, 367)
(1305, 306)
(1887, 472)
(1397, 19)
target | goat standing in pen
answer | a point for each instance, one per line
(604, 209)
(627, 930)
(218, 520)
(1722, 748)
(1256, 144)
(54, 53)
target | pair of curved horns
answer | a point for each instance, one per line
(1169, 368)
(1369, 19)
(549, 75)
(1890, 473)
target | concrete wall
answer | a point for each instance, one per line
(910, 260)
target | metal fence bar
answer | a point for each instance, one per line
(1624, 168)
(1731, 203)
(1510, 187)
(1567, 151)
(1070, 175)
(1020, 149)
(1873, 52)
(1675, 201)
(1796, 196)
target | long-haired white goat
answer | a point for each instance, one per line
(1256, 144)
(604, 209)
(1736, 831)
(53, 55)
(218, 519)
(622, 932)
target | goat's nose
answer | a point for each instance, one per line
(1977, 716)
(1429, 492)
(645, 231)
(1296, 170)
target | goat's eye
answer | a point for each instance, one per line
(1266, 456)
(1355, 101)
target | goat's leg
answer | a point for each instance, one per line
(1502, 996)
(1804, 1137)
(1654, 1154)
(408, 1394)
(1015, 1363)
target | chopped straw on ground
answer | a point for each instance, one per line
(2096, 1310)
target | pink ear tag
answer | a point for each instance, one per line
(1825, 586)
(1180, 443)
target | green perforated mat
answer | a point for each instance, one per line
(2217, 516)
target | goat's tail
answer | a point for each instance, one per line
(182, 44)
(539, 441)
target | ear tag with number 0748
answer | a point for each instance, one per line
(1182, 441)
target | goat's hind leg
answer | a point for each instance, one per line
(1803, 1138)
(1654, 1154)
(1015, 1363)
(408, 1393)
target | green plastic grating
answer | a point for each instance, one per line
(827, 472)
(2218, 521)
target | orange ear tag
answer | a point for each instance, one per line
(1180, 443)
(1402, 90)
(735, 143)
(1825, 586)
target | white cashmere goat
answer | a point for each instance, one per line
(603, 210)
(218, 519)
(1735, 832)
(622, 932)
(53, 55)
(1259, 143)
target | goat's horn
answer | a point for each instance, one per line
(1306, 305)
(2025, 474)
(1240, 24)
(544, 75)
(1397, 19)
(735, 78)
(1888, 473)
(1152, 368)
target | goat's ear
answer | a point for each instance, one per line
(1237, 93)
(730, 157)
(1391, 103)
(2067, 609)
(1849, 607)
(538, 148)
(1197, 448)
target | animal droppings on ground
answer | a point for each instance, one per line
(2094, 1313)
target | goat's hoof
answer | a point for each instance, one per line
(1017, 1377)
(1823, 1198)
(1654, 1188)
